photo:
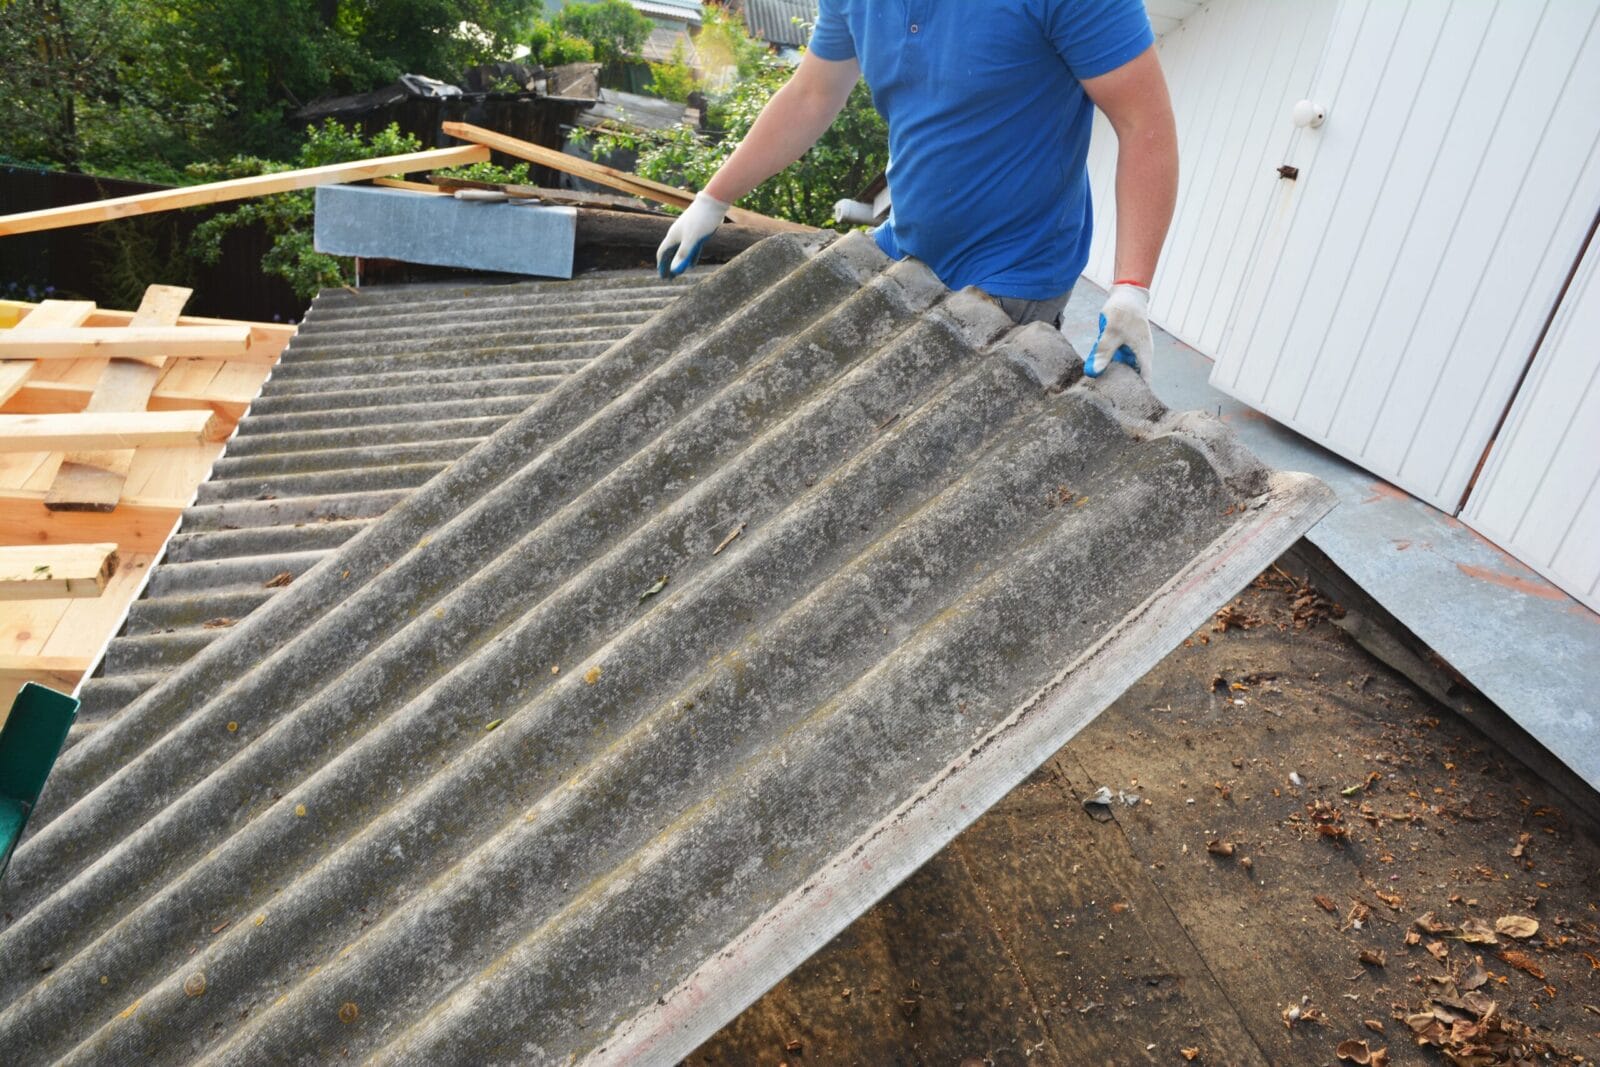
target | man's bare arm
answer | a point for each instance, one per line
(1134, 98)
(791, 122)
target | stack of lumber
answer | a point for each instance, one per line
(109, 421)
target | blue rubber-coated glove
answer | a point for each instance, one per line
(680, 249)
(1124, 333)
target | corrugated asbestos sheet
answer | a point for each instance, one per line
(595, 736)
(786, 22)
(378, 392)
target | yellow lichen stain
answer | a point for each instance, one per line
(349, 1012)
(299, 811)
(105, 979)
(261, 918)
(438, 613)
(592, 675)
(127, 1013)
(195, 984)
(424, 542)
(556, 669)
(233, 727)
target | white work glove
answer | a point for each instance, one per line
(680, 249)
(1124, 332)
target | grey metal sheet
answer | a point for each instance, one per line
(594, 736)
(355, 220)
(787, 22)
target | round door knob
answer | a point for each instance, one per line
(1308, 113)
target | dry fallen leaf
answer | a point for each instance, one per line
(1477, 932)
(1429, 923)
(1189, 1053)
(1219, 848)
(1325, 904)
(1374, 1025)
(1439, 949)
(1373, 957)
(1518, 926)
(1522, 962)
(1355, 1051)
(278, 581)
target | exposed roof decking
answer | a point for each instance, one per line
(928, 541)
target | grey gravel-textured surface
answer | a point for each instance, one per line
(379, 391)
(589, 740)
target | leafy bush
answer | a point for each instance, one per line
(674, 79)
(613, 30)
(852, 151)
(288, 217)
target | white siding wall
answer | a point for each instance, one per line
(1437, 213)
(1235, 68)
(1539, 496)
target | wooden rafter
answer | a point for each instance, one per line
(237, 189)
(600, 174)
(33, 572)
(130, 342)
(93, 480)
(101, 430)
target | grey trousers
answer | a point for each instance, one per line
(1023, 312)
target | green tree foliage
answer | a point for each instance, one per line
(727, 51)
(142, 88)
(554, 48)
(107, 85)
(614, 28)
(674, 79)
(282, 54)
(288, 216)
(852, 151)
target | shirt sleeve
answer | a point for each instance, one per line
(1095, 37)
(831, 38)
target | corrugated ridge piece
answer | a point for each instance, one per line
(590, 739)
(380, 390)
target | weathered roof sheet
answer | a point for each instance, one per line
(786, 22)
(377, 393)
(597, 734)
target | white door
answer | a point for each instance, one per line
(1539, 494)
(1404, 278)
(1234, 67)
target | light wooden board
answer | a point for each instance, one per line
(52, 314)
(238, 189)
(35, 572)
(98, 430)
(130, 342)
(608, 176)
(138, 525)
(92, 481)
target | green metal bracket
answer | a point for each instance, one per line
(29, 744)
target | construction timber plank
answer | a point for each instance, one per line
(122, 207)
(36, 572)
(609, 176)
(51, 314)
(93, 430)
(132, 342)
(92, 481)
(136, 526)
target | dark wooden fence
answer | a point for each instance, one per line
(111, 262)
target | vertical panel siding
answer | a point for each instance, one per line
(1539, 497)
(1235, 68)
(1437, 212)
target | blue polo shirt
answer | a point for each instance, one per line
(988, 127)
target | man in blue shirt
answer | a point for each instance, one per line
(989, 107)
